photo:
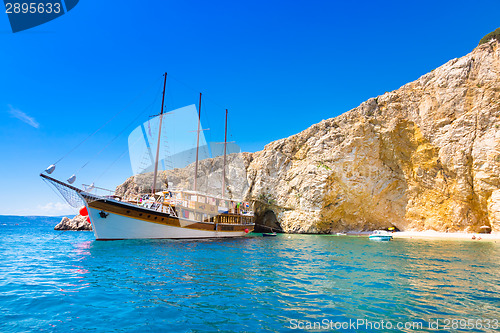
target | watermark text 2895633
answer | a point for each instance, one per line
(385, 325)
(32, 8)
(26, 14)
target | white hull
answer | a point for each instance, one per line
(381, 238)
(116, 226)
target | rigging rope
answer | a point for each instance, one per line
(131, 123)
(59, 234)
(56, 192)
(119, 134)
(100, 128)
(119, 157)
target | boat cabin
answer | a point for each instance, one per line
(194, 206)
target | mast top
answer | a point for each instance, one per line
(155, 173)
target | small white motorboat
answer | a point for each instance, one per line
(381, 235)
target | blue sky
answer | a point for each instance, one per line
(278, 66)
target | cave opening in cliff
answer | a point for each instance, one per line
(267, 222)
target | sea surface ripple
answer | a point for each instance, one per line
(72, 282)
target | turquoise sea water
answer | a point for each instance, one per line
(73, 283)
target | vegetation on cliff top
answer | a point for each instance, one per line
(492, 35)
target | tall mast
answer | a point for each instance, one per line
(224, 165)
(197, 145)
(155, 174)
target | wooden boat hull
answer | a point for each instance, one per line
(113, 220)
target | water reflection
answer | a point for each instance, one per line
(302, 276)
(249, 284)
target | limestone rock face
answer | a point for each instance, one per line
(426, 156)
(78, 223)
(494, 210)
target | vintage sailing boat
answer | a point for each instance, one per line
(171, 213)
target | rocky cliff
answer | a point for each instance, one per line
(425, 156)
(78, 223)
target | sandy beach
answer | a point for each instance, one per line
(430, 234)
(495, 237)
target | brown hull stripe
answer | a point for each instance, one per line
(147, 215)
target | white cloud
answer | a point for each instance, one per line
(16, 113)
(55, 208)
